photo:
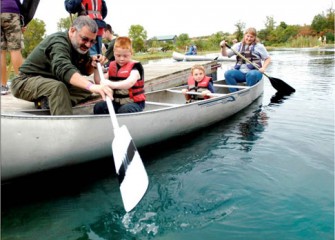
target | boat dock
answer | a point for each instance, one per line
(157, 76)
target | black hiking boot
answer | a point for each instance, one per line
(42, 103)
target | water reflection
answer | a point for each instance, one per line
(251, 129)
(182, 171)
(278, 98)
(221, 182)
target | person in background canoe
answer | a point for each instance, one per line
(198, 82)
(192, 50)
(53, 72)
(253, 51)
(108, 36)
(126, 77)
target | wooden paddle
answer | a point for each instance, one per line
(133, 178)
(281, 86)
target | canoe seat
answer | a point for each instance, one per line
(197, 93)
(163, 104)
(230, 86)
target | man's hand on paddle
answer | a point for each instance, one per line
(102, 85)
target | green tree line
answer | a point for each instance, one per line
(272, 35)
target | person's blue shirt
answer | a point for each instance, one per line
(192, 50)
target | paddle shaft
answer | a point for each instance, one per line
(111, 110)
(71, 20)
(244, 58)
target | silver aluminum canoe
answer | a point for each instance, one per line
(32, 142)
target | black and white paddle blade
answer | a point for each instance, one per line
(133, 178)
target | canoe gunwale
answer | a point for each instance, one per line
(43, 114)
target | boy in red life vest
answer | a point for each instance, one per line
(198, 82)
(126, 78)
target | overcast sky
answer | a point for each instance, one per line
(195, 18)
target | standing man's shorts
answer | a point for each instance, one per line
(10, 31)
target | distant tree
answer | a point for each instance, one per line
(270, 24)
(65, 23)
(200, 43)
(33, 36)
(283, 25)
(215, 39)
(329, 31)
(319, 23)
(138, 36)
(166, 46)
(283, 33)
(305, 31)
(324, 24)
(239, 30)
(291, 31)
(265, 34)
(183, 40)
(330, 19)
(152, 43)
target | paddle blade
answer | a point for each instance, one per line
(133, 178)
(281, 86)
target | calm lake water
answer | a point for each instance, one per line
(265, 173)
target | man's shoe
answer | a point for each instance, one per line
(42, 103)
(4, 90)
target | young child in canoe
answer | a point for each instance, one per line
(198, 82)
(126, 79)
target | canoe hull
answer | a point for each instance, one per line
(32, 143)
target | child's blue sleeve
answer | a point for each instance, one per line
(211, 87)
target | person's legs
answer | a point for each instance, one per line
(233, 77)
(3, 68)
(102, 108)
(78, 95)
(99, 44)
(10, 41)
(93, 50)
(129, 108)
(96, 48)
(4, 24)
(253, 76)
(17, 60)
(33, 88)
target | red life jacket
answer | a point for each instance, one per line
(135, 93)
(199, 86)
(93, 8)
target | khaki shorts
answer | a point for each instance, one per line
(10, 31)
